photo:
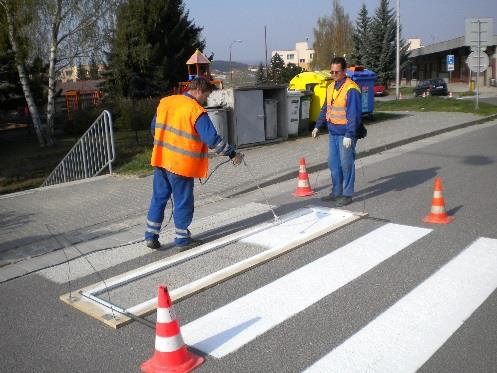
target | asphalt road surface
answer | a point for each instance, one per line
(386, 293)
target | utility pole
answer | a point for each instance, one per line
(477, 107)
(265, 44)
(397, 74)
(231, 68)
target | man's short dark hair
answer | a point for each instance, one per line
(339, 60)
(201, 84)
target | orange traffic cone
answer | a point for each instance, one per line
(424, 94)
(303, 186)
(400, 96)
(437, 214)
(450, 94)
(171, 354)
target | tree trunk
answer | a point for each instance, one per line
(51, 73)
(35, 116)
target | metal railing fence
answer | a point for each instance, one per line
(92, 154)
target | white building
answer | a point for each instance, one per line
(301, 56)
(414, 44)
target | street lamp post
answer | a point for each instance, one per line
(231, 69)
(397, 62)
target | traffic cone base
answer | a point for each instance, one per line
(437, 213)
(437, 219)
(189, 362)
(303, 186)
(171, 355)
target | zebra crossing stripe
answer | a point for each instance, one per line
(407, 334)
(235, 324)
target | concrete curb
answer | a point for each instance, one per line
(324, 165)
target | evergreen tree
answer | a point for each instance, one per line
(81, 72)
(361, 38)
(93, 69)
(260, 75)
(383, 44)
(290, 71)
(332, 37)
(150, 46)
(11, 95)
(276, 70)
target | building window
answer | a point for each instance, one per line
(302, 60)
(290, 56)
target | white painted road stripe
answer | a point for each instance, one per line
(233, 325)
(406, 335)
(105, 259)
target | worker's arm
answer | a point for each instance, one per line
(209, 136)
(321, 121)
(354, 112)
(152, 125)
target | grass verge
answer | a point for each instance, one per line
(434, 103)
(25, 165)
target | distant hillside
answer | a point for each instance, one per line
(224, 66)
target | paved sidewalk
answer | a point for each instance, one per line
(110, 210)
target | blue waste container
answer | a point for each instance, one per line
(365, 79)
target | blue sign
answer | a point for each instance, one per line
(450, 62)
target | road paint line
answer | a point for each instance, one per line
(407, 334)
(109, 258)
(233, 325)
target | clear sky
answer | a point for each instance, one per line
(289, 21)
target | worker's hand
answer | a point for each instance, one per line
(237, 159)
(347, 142)
(315, 133)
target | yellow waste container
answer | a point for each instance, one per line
(316, 82)
(472, 84)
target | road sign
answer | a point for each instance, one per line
(450, 62)
(472, 62)
(485, 26)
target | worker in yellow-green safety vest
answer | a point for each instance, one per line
(341, 113)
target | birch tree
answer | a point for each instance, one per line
(60, 31)
(76, 30)
(18, 15)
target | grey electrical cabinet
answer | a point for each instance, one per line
(248, 117)
(255, 113)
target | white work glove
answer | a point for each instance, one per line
(347, 142)
(315, 133)
(237, 159)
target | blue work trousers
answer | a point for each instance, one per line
(342, 168)
(166, 183)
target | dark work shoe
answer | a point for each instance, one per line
(190, 245)
(153, 244)
(330, 198)
(344, 201)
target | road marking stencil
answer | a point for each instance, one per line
(235, 324)
(292, 231)
(407, 334)
(109, 258)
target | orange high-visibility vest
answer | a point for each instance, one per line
(336, 102)
(177, 145)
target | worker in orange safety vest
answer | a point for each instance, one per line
(182, 133)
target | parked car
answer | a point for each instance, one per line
(379, 90)
(435, 86)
